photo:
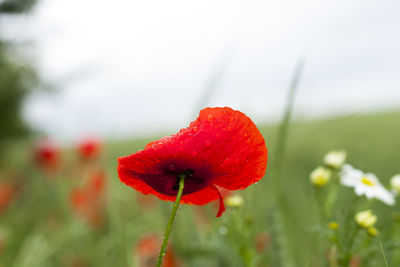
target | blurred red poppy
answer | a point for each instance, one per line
(89, 148)
(47, 155)
(222, 147)
(262, 241)
(355, 261)
(7, 194)
(147, 249)
(88, 200)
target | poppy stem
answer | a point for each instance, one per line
(171, 219)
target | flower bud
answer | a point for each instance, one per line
(395, 183)
(320, 176)
(335, 159)
(234, 201)
(366, 219)
(373, 231)
(333, 225)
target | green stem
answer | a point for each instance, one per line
(163, 249)
(350, 246)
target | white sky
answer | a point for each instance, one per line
(126, 68)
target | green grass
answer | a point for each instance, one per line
(42, 231)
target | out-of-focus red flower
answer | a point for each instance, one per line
(89, 148)
(355, 261)
(262, 241)
(7, 194)
(47, 155)
(147, 249)
(88, 201)
(222, 147)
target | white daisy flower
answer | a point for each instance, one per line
(365, 184)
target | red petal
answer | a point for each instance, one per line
(134, 181)
(201, 197)
(238, 149)
(221, 208)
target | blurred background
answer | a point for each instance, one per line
(83, 82)
(129, 68)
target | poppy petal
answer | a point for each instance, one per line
(201, 197)
(239, 152)
(132, 180)
(221, 208)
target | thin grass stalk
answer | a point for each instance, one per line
(280, 220)
(213, 81)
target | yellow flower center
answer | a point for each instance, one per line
(367, 181)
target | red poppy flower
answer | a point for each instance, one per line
(221, 148)
(262, 241)
(7, 195)
(89, 148)
(47, 155)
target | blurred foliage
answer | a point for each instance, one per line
(15, 83)
(17, 79)
(16, 6)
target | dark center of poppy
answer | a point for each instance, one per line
(197, 176)
(188, 175)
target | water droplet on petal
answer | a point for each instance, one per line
(207, 143)
(195, 128)
(210, 117)
(248, 140)
(172, 167)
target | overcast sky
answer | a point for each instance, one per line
(127, 68)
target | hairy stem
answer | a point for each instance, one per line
(171, 219)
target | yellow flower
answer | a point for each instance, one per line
(320, 176)
(372, 231)
(366, 219)
(335, 159)
(234, 201)
(333, 225)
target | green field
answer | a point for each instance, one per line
(39, 228)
